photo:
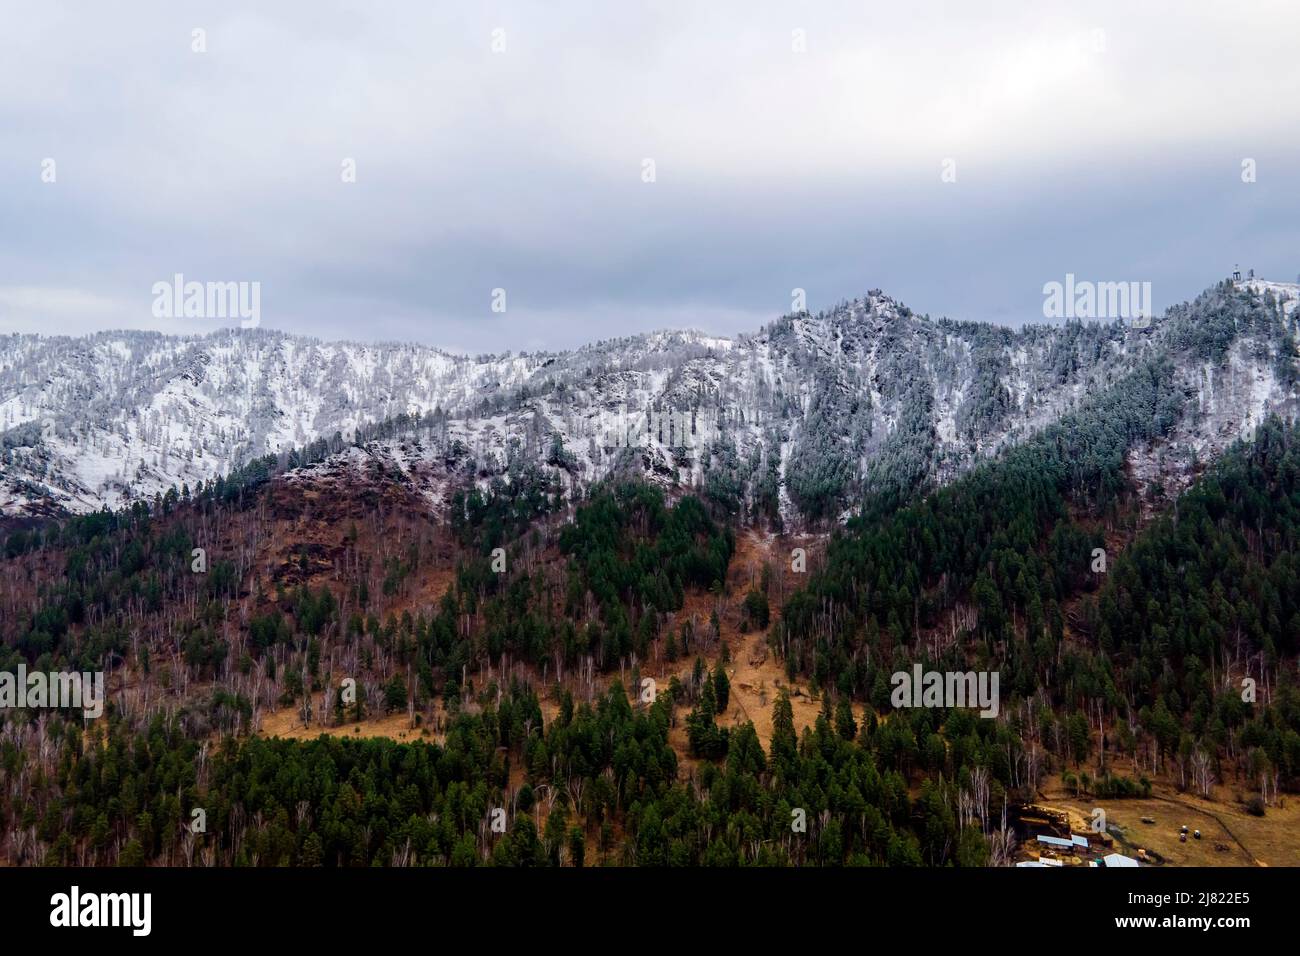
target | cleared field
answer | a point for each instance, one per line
(1271, 840)
(286, 723)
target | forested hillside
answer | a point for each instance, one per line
(511, 680)
(1142, 658)
(648, 598)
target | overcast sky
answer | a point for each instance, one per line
(1101, 139)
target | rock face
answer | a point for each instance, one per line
(794, 421)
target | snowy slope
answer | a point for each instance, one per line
(850, 396)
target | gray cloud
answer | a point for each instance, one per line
(1113, 155)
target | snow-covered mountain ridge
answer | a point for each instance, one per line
(794, 419)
